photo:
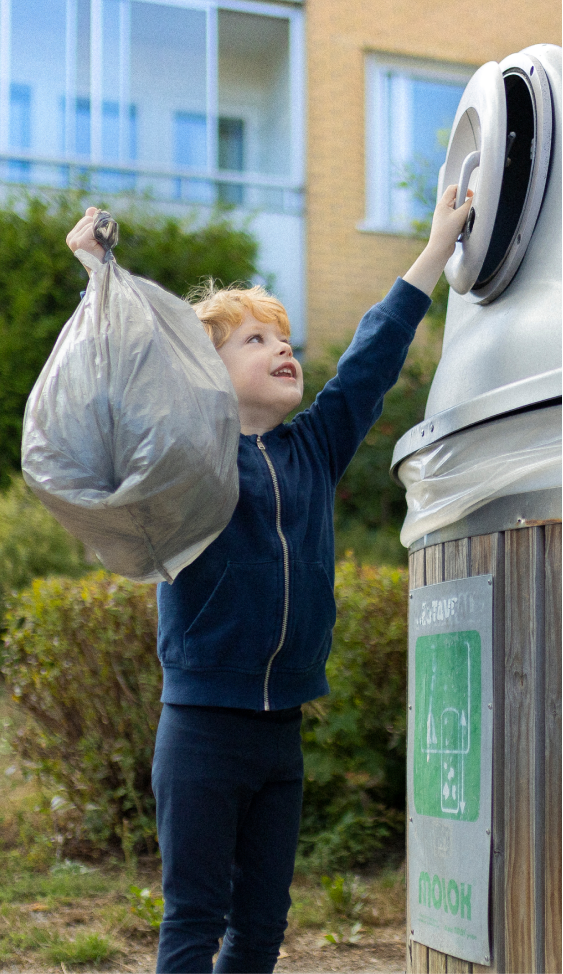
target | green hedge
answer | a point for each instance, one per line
(32, 543)
(80, 658)
(355, 739)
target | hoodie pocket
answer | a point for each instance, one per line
(238, 627)
(312, 614)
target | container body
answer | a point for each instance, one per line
(483, 479)
(525, 883)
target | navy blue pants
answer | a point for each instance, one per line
(228, 787)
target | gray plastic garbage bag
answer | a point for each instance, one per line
(131, 431)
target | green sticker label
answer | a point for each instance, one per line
(447, 731)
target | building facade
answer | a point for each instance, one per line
(384, 81)
(315, 120)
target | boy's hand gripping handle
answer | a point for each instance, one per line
(471, 162)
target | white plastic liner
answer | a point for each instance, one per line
(448, 480)
(131, 431)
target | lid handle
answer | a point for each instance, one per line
(469, 164)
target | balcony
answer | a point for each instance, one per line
(180, 102)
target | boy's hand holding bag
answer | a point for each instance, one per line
(131, 431)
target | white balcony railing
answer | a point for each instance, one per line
(204, 187)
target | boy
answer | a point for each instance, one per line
(244, 632)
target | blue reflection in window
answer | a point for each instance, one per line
(110, 131)
(433, 108)
(82, 129)
(20, 116)
(133, 139)
(190, 140)
(19, 170)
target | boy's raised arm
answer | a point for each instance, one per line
(351, 402)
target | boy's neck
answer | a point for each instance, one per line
(258, 422)
(257, 429)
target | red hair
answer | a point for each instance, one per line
(222, 310)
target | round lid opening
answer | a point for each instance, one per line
(527, 154)
(520, 151)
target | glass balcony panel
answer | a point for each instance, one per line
(78, 116)
(167, 78)
(200, 191)
(38, 76)
(119, 112)
(254, 91)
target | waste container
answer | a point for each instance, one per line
(483, 479)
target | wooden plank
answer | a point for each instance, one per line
(457, 966)
(487, 558)
(419, 954)
(457, 559)
(553, 783)
(434, 564)
(484, 554)
(524, 749)
(417, 573)
(436, 962)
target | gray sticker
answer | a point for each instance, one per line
(449, 766)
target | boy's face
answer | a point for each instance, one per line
(267, 379)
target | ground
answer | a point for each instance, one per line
(300, 954)
(35, 935)
(68, 912)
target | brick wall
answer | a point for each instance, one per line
(348, 270)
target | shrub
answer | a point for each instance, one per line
(80, 658)
(32, 543)
(355, 739)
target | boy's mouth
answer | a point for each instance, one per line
(287, 369)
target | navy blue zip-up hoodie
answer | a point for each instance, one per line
(249, 623)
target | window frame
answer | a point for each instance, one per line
(378, 208)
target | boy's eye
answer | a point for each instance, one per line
(254, 338)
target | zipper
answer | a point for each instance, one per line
(283, 540)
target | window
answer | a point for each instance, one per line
(231, 156)
(410, 107)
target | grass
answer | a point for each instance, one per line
(83, 949)
(380, 901)
(75, 913)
